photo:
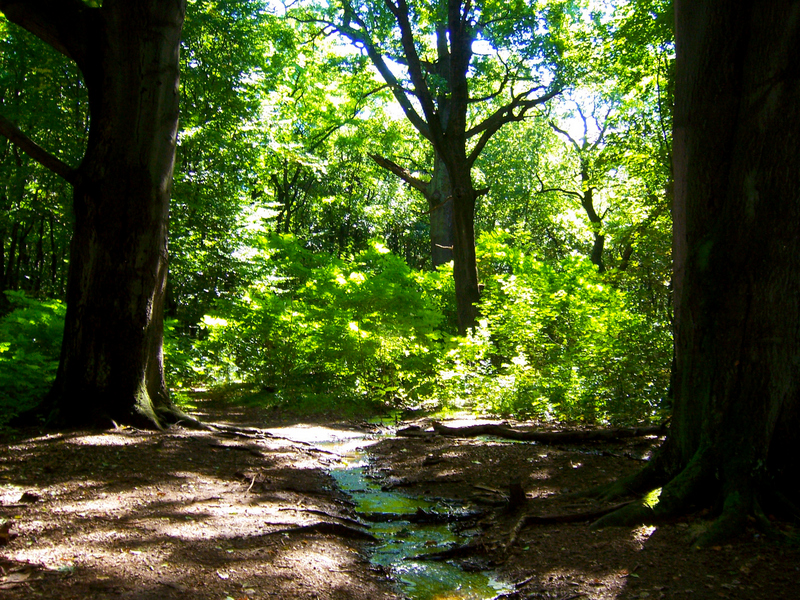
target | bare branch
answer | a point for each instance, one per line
(500, 87)
(421, 91)
(36, 152)
(361, 39)
(570, 139)
(544, 190)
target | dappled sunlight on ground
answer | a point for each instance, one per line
(193, 514)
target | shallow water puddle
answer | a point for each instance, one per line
(401, 540)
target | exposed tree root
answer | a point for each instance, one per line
(777, 502)
(651, 476)
(546, 437)
(730, 523)
(673, 499)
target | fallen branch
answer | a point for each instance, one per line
(420, 516)
(499, 552)
(412, 482)
(329, 528)
(322, 513)
(464, 551)
(546, 437)
(581, 517)
(249, 449)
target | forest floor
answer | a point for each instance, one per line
(190, 514)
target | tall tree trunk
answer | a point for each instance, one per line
(2, 261)
(53, 251)
(111, 364)
(12, 253)
(736, 425)
(39, 260)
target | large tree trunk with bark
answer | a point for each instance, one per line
(465, 271)
(437, 193)
(735, 429)
(111, 360)
(440, 207)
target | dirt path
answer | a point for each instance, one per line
(200, 515)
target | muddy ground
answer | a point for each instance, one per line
(207, 515)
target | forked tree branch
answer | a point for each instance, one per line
(503, 115)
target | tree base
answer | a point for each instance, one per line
(143, 414)
(696, 484)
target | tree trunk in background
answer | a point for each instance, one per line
(465, 270)
(2, 263)
(736, 425)
(440, 207)
(111, 364)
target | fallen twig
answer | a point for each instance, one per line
(322, 513)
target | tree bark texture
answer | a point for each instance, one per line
(111, 360)
(736, 423)
(440, 207)
(438, 195)
(465, 271)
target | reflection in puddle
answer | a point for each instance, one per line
(402, 540)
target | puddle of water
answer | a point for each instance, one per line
(400, 540)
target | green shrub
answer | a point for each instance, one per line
(327, 332)
(30, 343)
(556, 340)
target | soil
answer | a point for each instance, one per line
(208, 515)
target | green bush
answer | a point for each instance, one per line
(329, 333)
(556, 340)
(30, 343)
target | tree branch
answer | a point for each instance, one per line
(421, 91)
(505, 114)
(544, 190)
(66, 25)
(362, 37)
(570, 139)
(36, 152)
(402, 173)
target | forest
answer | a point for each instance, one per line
(311, 234)
(354, 238)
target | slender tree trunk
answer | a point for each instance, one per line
(596, 221)
(736, 423)
(2, 261)
(12, 253)
(111, 360)
(53, 250)
(39, 261)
